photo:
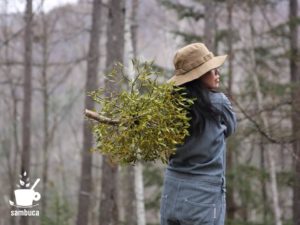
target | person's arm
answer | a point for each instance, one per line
(228, 117)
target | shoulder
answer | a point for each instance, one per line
(218, 97)
(220, 100)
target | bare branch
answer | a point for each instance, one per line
(259, 128)
(101, 119)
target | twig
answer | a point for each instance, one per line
(101, 119)
(259, 128)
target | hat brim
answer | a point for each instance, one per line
(199, 71)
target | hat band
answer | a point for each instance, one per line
(196, 63)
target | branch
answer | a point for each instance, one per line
(101, 119)
(259, 128)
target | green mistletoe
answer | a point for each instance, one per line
(145, 122)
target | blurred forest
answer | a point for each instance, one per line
(50, 59)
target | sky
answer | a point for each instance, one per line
(19, 5)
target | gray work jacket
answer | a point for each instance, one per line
(206, 154)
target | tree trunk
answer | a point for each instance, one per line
(210, 23)
(128, 204)
(91, 84)
(139, 192)
(115, 51)
(13, 156)
(230, 4)
(231, 207)
(295, 81)
(134, 26)
(128, 200)
(265, 124)
(263, 180)
(26, 117)
(46, 112)
(138, 169)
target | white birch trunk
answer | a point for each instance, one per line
(139, 192)
(263, 117)
(130, 53)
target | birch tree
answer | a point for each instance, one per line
(138, 169)
(265, 123)
(136, 207)
(128, 191)
(139, 193)
(85, 189)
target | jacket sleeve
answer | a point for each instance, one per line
(228, 117)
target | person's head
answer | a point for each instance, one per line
(197, 71)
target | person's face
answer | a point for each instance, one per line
(211, 79)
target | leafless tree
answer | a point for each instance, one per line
(85, 190)
(129, 203)
(13, 153)
(115, 51)
(295, 81)
(210, 24)
(231, 206)
(265, 124)
(26, 117)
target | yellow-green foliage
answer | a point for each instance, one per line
(153, 119)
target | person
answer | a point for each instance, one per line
(194, 182)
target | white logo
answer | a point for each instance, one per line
(25, 197)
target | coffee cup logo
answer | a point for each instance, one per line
(26, 196)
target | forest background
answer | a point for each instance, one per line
(50, 59)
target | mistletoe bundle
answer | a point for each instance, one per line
(144, 122)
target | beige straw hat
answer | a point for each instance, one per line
(193, 61)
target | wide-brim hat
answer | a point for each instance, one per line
(193, 61)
